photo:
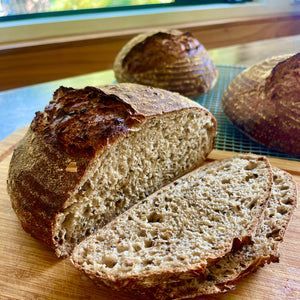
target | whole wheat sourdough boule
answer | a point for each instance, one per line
(94, 152)
(177, 232)
(223, 275)
(168, 59)
(264, 103)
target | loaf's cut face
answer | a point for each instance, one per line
(94, 152)
(264, 103)
(224, 274)
(168, 59)
(178, 231)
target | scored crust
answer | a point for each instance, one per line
(168, 59)
(263, 102)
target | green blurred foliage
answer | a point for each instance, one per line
(57, 5)
(19, 7)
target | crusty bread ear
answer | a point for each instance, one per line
(183, 228)
(263, 102)
(224, 274)
(168, 59)
(94, 152)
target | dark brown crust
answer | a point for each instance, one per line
(159, 49)
(263, 102)
(84, 120)
(39, 185)
(168, 59)
(41, 179)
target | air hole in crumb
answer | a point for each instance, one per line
(165, 235)
(118, 203)
(273, 234)
(87, 211)
(100, 238)
(109, 261)
(154, 217)
(282, 210)
(252, 165)
(141, 233)
(169, 258)
(168, 199)
(251, 176)
(209, 278)
(225, 180)
(252, 204)
(285, 187)
(68, 220)
(148, 243)
(122, 248)
(287, 201)
(137, 247)
(148, 261)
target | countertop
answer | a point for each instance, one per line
(30, 271)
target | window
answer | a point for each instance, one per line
(32, 22)
(18, 9)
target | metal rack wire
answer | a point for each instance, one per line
(229, 138)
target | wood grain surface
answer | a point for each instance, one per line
(28, 270)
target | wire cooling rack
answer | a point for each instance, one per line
(229, 138)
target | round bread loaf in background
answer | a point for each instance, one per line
(168, 59)
(264, 103)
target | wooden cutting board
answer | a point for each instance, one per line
(28, 270)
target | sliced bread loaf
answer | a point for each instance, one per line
(177, 232)
(94, 152)
(223, 275)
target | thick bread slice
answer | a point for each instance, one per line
(183, 228)
(222, 276)
(94, 152)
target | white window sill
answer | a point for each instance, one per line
(111, 23)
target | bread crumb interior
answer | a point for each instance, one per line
(163, 149)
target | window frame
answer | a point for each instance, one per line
(111, 23)
(75, 12)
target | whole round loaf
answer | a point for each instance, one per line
(94, 152)
(168, 59)
(264, 103)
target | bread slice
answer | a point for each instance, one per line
(94, 152)
(223, 275)
(176, 233)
